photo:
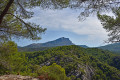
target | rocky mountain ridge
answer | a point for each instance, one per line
(58, 42)
(42, 46)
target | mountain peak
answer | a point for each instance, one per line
(42, 46)
(63, 38)
(58, 42)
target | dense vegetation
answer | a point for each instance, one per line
(27, 49)
(72, 62)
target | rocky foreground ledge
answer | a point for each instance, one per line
(17, 77)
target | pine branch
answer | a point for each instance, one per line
(5, 10)
(27, 25)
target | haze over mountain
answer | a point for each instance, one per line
(112, 47)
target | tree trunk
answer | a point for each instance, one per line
(5, 10)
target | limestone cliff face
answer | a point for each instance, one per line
(89, 72)
(82, 71)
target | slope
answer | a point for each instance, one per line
(43, 46)
(112, 47)
(80, 63)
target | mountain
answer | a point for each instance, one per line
(43, 46)
(58, 42)
(112, 47)
(84, 46)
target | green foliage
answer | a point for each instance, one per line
(111, 24)
(56, 63)
(69, 57)
(54, 72)
(10, 59)
(7, 49)
(12, 23)
(3, 70)
(25, 49)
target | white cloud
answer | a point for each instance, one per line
(66, 20)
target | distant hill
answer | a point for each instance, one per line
(42, 46)
(58, 42)
(84, 46)
(112, 47)
(28, 49)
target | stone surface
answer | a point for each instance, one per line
(17, 77)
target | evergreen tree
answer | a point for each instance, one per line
(12, 13)
(112, 25)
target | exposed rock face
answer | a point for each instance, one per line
(82, 71)
(89, 72)
(84, 75)
(16, 77)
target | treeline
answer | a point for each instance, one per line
(60, 63)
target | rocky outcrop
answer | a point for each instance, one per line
(17, 77)
(82, 71)
(89, 72)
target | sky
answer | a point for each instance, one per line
(65, 23)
